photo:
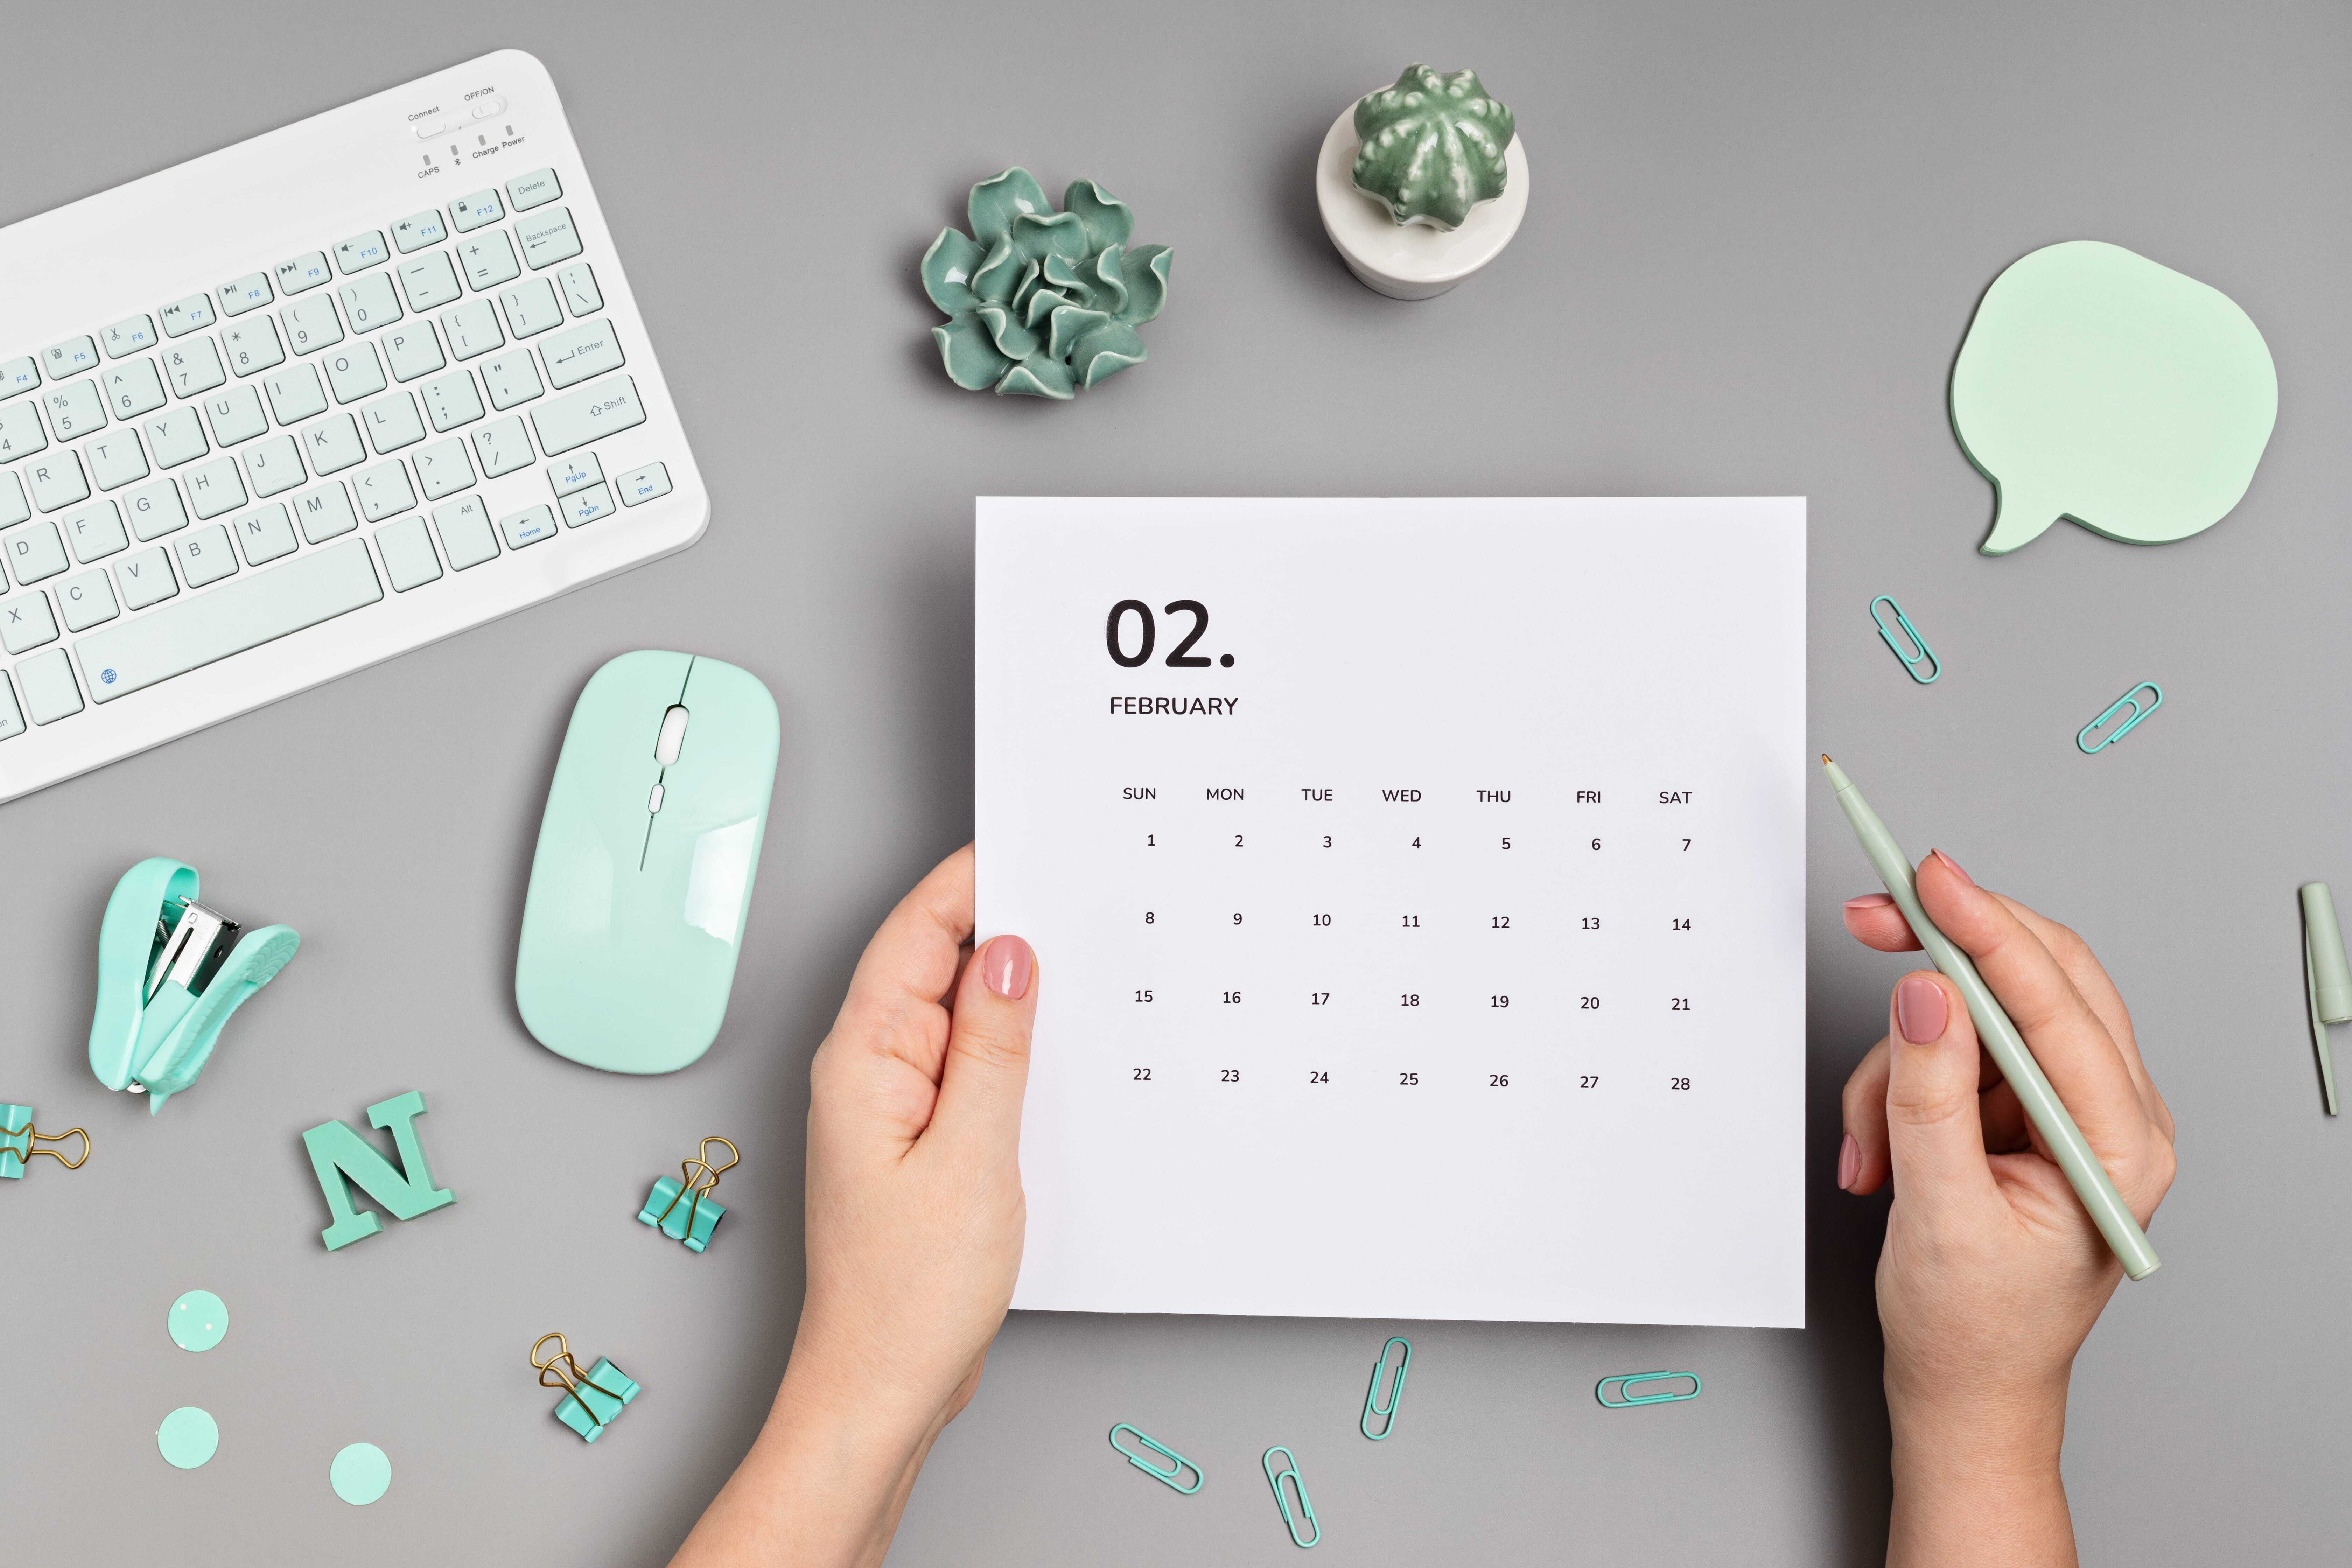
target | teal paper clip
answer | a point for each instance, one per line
(2138, 711)
(168, 980)
(1926, 656)
(2326, 980)
(1273, 1479)
(1372, 1405)
(1626, 1398)
(18, 1138)
(1177, 1463)
(591, 1399)
(697, 1178)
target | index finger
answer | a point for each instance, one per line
(907, 970)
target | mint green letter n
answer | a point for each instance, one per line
(340, 1155)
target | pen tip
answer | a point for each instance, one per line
(1825, 757)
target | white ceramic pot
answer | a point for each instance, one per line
(1411, 260)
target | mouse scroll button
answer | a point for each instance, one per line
(673, 736)
(653, 801)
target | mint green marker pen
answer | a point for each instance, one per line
(2001, 1040)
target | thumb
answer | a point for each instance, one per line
(987, 1066)
(1935, 1136)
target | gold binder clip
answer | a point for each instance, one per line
(591, 1398)
(698, 1179)
(19, 1141)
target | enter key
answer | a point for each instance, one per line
(584, 351)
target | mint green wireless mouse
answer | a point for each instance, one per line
(643, 876)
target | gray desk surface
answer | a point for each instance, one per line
(1756, 238)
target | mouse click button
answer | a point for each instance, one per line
(672, 737)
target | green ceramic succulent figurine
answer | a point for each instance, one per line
(1430, 148)
(1041, 302)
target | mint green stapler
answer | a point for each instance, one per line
(168, 980)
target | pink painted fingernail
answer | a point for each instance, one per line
(1870, 901)
(1954, 866)
(1849, 1163)
(1007, 967)
(1919, 1009)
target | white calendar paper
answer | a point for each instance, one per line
(1417, 888)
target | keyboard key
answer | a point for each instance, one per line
(14, 509)
(361, 251)
(193, 368)
(312, 324)
(185, 316)
(354, 372)
(215, 488)
(176, 436)
(430, 282)
(411, 350)
(548, 238)
(333, 444)
(407, 550)
(451, 400)
(33, 554)
(263, 535)
(12, 719)
(268, 604)
(305, 271)
(528, 527)
(526, 191)
(155, 511)
(75, 408)
(383, 490)
(511, 378)
(473, 328)
(25, 623)
(294, 395)
(488, 260)
(588, 415)
(370, 303)
(640, 485)
(575, 474)
(502, 447)
(580, 295)
(56, 480)
(442, 469)
(587, 506)
(95, 531)
(392, 422)
(21, 433)
(324, 513)
(115, 459)
(530, 308)
(466, 537)
(88, 600)
(249, 292)
(128, 336)
(20, 374)
(147, 578)
(134, 389)
(70, 357)
(415, 233)
(50, 693)
(205, 555)
(275, 466)
(234, 416)
(472, 211)
(252, 346)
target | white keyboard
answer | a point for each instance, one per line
(310, 402)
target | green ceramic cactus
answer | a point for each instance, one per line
(1042, 303)
(1430, 148)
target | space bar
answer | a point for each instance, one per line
(168, 642)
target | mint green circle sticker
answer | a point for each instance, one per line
(188, 1437)
(360, 1474)
(198, 1321)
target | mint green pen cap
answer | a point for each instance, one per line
(2331, 977)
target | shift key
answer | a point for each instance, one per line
(588, 415)
(211, 625)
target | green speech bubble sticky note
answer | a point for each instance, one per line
(2098, 386)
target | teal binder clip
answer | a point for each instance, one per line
(1178, 1464)
(18, 1137)
(1626, 1398)
(591, 1398)
(1372, 1405)
(697, 1179)
(1926, 655)
(2140, 711)
(1306, 1513)
(168, 980)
